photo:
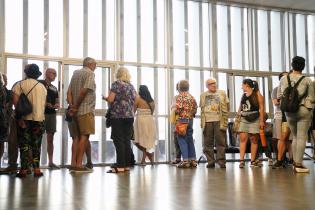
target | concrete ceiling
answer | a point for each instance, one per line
(305, 5)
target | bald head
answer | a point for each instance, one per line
(50, 74)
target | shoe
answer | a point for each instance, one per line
(193, 164)
(89, 165)
(222, 165)
(37, 172)
(242, 164)
(270, 162)
(53, 166)
(9, 170)
(253, 164)
(184, 164)
(21, 174)
(176, 161)
(278, 164)
(81, 170)
(299, 168)
(210, 165)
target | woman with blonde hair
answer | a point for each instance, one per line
(121, 99)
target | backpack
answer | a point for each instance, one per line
(290, 100)
(24, 106)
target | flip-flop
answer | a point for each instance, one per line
(115, 170)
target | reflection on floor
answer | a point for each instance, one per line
(163, 187)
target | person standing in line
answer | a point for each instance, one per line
(52, 103)
(81, 98)
(144, 125)
(121, 100)
(299, 122)
(30, 128)
(186, 108)
(214, 105)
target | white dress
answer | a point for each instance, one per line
(144, 129)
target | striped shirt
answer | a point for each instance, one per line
(84, 78)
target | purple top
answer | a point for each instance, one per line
(123, 104)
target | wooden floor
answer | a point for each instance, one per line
(163, 187)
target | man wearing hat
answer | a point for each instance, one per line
(30, 127)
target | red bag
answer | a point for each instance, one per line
(181, 128)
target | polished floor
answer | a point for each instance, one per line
(162, 187)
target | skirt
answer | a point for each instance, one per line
(144, 129)
(249, 127)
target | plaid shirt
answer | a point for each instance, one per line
(186, 105)
(84, 78)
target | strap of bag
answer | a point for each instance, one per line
(289, 81)
(30, 90)
(298, 82)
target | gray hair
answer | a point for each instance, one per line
(88, 60)
(183, 85)
(123, 74)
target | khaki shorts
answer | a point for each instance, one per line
(82, 125)
(50, 123)
(285, 127)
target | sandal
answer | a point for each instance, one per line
(115, 170)
(193, 164)
(242, 164)
(184, 164)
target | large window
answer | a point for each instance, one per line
(236, 36)
(222, 28)
(110, 30)
(206, 34)
(262, 37)
(76, 28)
(179, 32)
(193, 34)
(130, 30)
(276, 46)
(95, 29)
(14, 26)
(161, 32)
(146, 31)
(36, 35)
(55, 35)
(311, 42)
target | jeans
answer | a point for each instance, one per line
(186, 143)
(299, 124)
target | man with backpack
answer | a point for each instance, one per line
(296, 94)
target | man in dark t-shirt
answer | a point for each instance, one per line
(52, 103)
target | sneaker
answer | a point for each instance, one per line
(89, 165)
(278, 164)
(53, 166)
(222, 165)
(193, 164)
(299, 168)
(253, 164)
(81, 170)
(270, 162)
(242, 164)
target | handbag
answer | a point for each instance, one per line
(108, 120)
(24, 106)
(181, 128)
(236, 124)
(250, 117)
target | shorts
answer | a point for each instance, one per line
(50, 123)
(249, 127)
(82, 125)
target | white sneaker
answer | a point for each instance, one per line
(270, 162)
(301, 169)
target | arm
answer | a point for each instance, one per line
(83, 92)
(110, 98)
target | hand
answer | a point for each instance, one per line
(104, 98)
(262, 124)
(21, 123)
(56, 106)
(49, 105)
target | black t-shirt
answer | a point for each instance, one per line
(248, 104)
(52, 95)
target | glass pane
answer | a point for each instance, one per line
(236, 35)
(238, 92)
(110, 29)
(95, 29)
(222, 85)
(206, 34)
(36, 34)
(130, 30)
(58, 140)
(55, 28)
(222, 37)
(134, 78)
(147, 31)
(147, 78)
(96, 140)
(76, 28)
(162, 92)
(262, 40)
(179, 75)
(161, 31)
(13, 26)
(193, 33)
(246, 49)
(276, 50)
(160, 150)
(179, 31)
(14, 71)
(311, 42)
(197, 135)
(195, 85)
(300, 36)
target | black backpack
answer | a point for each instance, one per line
(290, 100)
(24, 106)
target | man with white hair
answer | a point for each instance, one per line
(81, 98)
(214, 106)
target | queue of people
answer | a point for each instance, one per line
(131, 118)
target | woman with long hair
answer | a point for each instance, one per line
(144, 125)
(252, 119)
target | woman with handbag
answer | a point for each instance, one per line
(186, 108)
(144, 125)
(252, 119)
